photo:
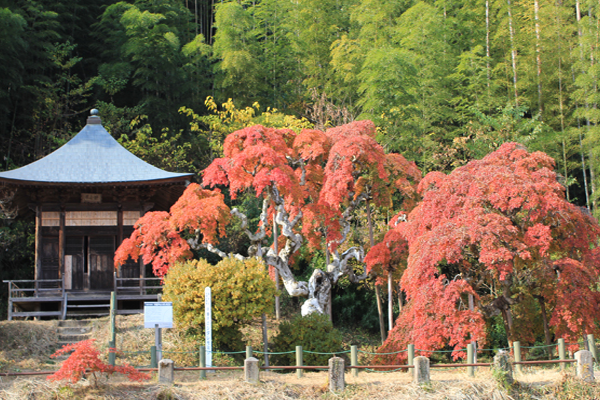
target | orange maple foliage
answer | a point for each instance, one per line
(313, 180)
(316, 172)
(501, 230)
(85, 359)
(157, 236)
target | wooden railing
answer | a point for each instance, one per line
(20, 291)
(139, 286)
(31, 292)
(36, 288)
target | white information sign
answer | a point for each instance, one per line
(208, 326)
(158, 314)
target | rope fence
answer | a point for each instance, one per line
(469, 355)
(470, 361)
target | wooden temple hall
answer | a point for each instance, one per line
(86, 196)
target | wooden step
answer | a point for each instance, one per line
(86, 314)
(74, 323)
(129, 312)
(88, 306)
(36, 314)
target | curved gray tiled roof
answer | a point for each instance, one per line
(92, 156)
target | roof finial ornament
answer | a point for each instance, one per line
(94, 118)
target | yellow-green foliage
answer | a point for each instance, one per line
(241, 291)
(314, 333)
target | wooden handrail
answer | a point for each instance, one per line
(138, 279)
(138, 287)
(34, 280)
(141, 287)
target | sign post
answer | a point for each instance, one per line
(158, 315)
(208, 325)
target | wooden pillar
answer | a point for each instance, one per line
(38, 241)
(119, 225)
(61, 242)
(119, 240)
(142, 266)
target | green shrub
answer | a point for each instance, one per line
(240, 291)
(314, 333)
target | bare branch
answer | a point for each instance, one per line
(194, 244)
(339, 266)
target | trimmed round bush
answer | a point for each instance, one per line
(240, 291)
(314, 333)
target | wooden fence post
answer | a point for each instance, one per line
(354, 360)
(517, 350)
(562, 354)
(153, 360)
(470, 359)
(299, 361)
(112, 355)
(592, 346)
(112, 344)
(202, 362)
(411, 355)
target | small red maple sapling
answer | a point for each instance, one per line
(84, 359)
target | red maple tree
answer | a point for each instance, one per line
(498, 229)
(85, 359)
(310, 183)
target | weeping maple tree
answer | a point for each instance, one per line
(310, 183)
(500, 231)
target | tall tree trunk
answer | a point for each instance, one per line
(196, 15)
(508, 325)
(275, 247)
(400, 301)
(547, 335)
(487, 53)
(513, 51)
(330, 300)
(594, 105)
(390, 303)
(377, 291)
(380, 312)
(581, 57)
(585, 184)
(538, 60)
(264, 319)
(487, 42)
(474, 342)
(560, 97)
(592, 180)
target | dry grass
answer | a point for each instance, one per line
(134, 341)
(27, 345)
(536, 384)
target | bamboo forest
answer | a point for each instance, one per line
(445, 84)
